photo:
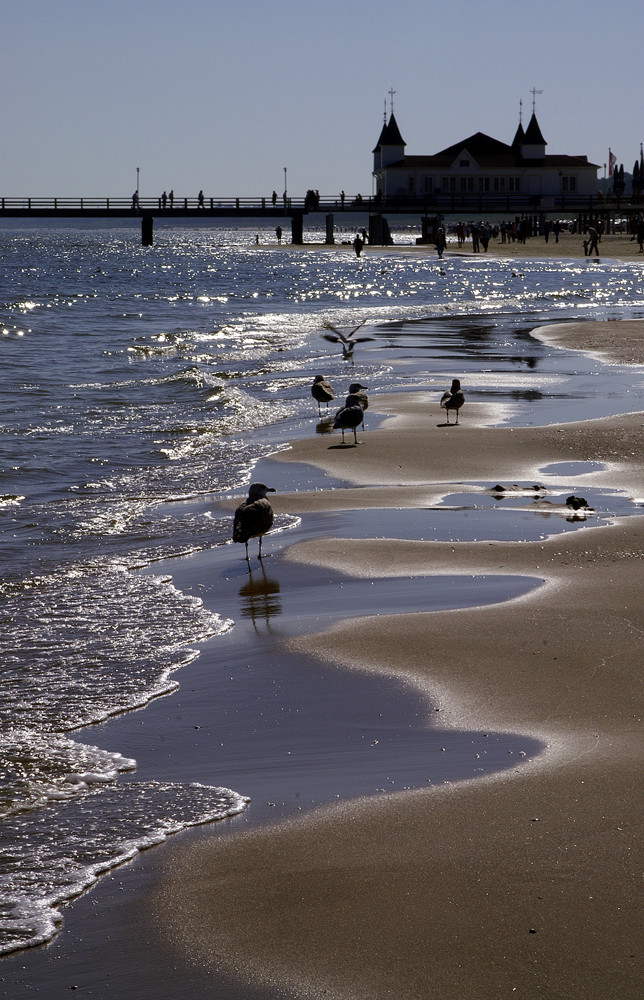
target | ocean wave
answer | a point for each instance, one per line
(88, 641)
(47, 864)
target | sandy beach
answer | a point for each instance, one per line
(523, 883)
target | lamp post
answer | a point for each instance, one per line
(284, 187)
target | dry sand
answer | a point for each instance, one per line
(523, 884)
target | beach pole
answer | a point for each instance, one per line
(330, 239)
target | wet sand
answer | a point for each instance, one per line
(521, 883)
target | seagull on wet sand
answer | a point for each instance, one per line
(349, 418)
(321, 392)
(347, 340)
(254, 517)
(358, 397)
(453, 399)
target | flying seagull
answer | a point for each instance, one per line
(347, 340)
(453, 398)
(254, 517)
(321, 391)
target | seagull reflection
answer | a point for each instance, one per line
(260, 599)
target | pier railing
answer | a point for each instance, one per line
(469, 205)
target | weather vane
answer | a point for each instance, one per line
(391, 95)
(534, 93)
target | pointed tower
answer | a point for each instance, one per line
(533, 146)
(519, 137)
(391, 145)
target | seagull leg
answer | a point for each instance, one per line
(259, 554)
(247, 558)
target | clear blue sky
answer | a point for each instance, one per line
(223, 94)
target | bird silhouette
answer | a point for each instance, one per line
(347, 340)
(253, 517)
(349, 418)
(358, 397)
(321, 392)
(453, 398)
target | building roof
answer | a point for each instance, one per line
(533, 136)
(519, 136)
(390, 135)
(513, 161)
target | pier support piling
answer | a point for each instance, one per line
(147, 226)
(297, 229)
(330, 239)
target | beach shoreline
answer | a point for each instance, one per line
(514, 883)
(472, 888)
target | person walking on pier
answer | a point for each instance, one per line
(171, 198)
(200, 199)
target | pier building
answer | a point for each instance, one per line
(482, 170)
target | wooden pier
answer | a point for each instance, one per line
(466, 207)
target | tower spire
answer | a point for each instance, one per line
(534, 93)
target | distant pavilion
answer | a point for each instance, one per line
(483, 167)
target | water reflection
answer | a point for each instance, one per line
(260, 597)
(325, 426)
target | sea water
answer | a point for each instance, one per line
(136, 377)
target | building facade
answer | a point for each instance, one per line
(481, 170)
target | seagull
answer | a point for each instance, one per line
(349, 418)
(453, 398)
(348, 341)
(358, 397)
(321, 391)
(577, 503)
(254, 517)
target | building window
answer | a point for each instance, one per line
(569, 184)
(514, 184)
(410, 184)
(464, 163)
(484, 185)
(427, 185)
(499, 185)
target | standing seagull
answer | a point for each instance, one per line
(349, 418)
(347, 340)
(254, 517)
(321, 391)
(453, 398)
(358, 397)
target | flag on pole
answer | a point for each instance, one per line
(612, 160)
